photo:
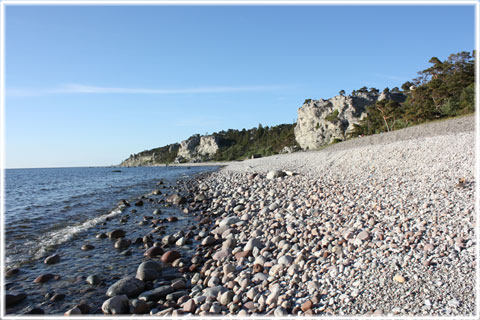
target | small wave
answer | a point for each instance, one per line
(54, 238)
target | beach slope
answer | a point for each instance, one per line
(376, 225)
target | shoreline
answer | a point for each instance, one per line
(383, 229)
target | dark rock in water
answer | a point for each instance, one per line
(124, 202)
(156, 192)
(147, 239)
(87, 247)
(101, 236)
(57, 297)
(126, 253)
(138, 241)
(55, 258)
(93, 280)
(177, 199)
(170, 256)
(129, 286)
(12, 272)
(84, 308)
(12, 299)
(73, 311)
(116, 170)
(134, 211)
(149, 270)
(115, 234)
(36, 311)
(116, 305)
(122, 244)
(156, 294)
(172, 219)
(153, 252)
(157, 211)
(139, 203)
(140, 306)
(44, 278)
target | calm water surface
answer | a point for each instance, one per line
(57, 210)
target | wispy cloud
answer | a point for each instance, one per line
(88, 89)
(389, 77)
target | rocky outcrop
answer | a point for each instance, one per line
(152, 157)
(322, 122)
(198, 148)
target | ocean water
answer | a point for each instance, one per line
(56, 210)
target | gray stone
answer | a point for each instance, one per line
(259, 277)
(149, 270)
(285, 260)
(129, 286)
(226, 297)
(208, 241)
(280, 312)
(55, 258)
(174, 296)
(228, 221)
(93, 279)
(140, 306)
(252, 243)
(156, 294)
(213, 291)
(275, 174)
(116, 305)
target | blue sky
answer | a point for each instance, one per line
(90, 85)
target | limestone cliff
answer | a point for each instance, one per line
(321, 122)
(198, 148)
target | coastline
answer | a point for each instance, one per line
(361, 229)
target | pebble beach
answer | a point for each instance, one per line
(379, 225)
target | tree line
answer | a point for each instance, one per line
(445, 89)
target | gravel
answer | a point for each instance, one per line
(379, 225)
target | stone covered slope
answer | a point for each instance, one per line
(386, 228)
(321, 122)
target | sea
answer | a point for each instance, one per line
(57, 210)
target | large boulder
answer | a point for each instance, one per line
(116, 305)
(12, 299)
(149, 270)
(129, 286)
(176, 199)
(321, 122)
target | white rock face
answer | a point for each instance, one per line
(198, 148)
(136, 160)
(313, 130)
